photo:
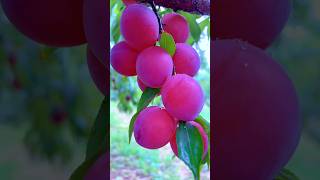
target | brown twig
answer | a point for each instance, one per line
(201, 7)
(153, 6)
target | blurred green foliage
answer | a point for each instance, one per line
(297, 50)
(47, 90)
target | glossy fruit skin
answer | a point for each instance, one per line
(177, 26)
(139, 26)
(173, 144)
(141, 85)
(204, 137)
(183, 97)
(98, 72)
(96, 26)
(256, 21)
(154, 127)
(255, 113)
(123, 59)
(99, 169)
(129, 2)
(154, 66)
(52, 22)
(186, 60)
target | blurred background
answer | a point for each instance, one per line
(48, 102)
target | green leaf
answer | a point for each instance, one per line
(204, 23)
(204, 123)
(98, 136)
(190, 147)
(190, 41)
(193, 25)
(167, 43)
(166, 11)
(116, 33)
(208, 31)
(132, 121)
(206, 126)
(81, 171)
(116, 27)
(112, 3)
(97, 144)
(286, 174)
(147, 96)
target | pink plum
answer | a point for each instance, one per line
(154, 127)
(182, 97)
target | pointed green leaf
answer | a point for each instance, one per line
(82, 170)
(204, 23)
(97, 144)
(147, 96)
(204, 123)
(286, 174)
(208, 32)
(190, 41)
(206, 126)
(167, 43)
(98, 136)
(190, 147)
(132, 121)
(193, 25)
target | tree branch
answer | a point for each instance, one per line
(201, 7)
(151, 2)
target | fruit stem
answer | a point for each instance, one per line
(153, 6)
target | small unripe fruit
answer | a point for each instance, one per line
(177, 26)
(58, 115)
(139, 26)
(98, 72)
(182, 97)
(186, 60)
(123, 59)
(52, 22)
(154, 127)
(16, 84)
(154, 66)
(128, 98)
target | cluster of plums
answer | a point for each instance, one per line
(138, 55)
(255, 107)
